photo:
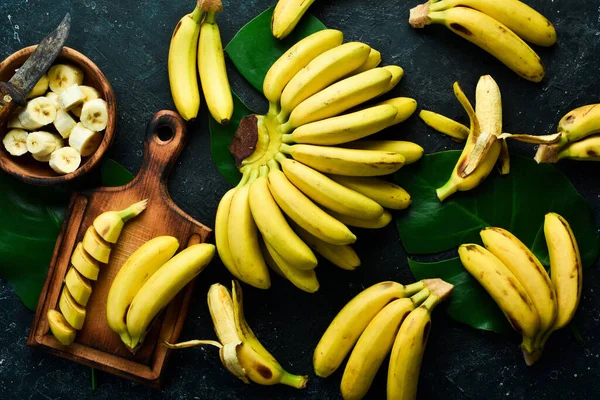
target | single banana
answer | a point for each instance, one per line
(60, 328)
(79, 286)
(85, 141)
(445, 125)
(40, 88)
(296, 58)
(42, 143)
(73, 312)
(64, 123)
(373, 61)
(487, 33)
(109, 225)
(405, 106)
(70, 98)
(385, 193)
(377, 223)
(222, 233)
(63, 76)
(89, 92)
(163, 286)
(352, 320)
(305, 280)
(350, 162)
(182, 65)
(94, 115)
(84, 263)
(374, 345)
(328, 193)
(587, 149)
(286, 16)
(412, 152)
(15, 142)
(276, 232)
(38, 112)
(523, 20)
(98, 248)
(305, 213)
(504, 288)
(213, 74)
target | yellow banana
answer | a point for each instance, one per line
(445, 125)
(342, 256)
(373, 61)
(412, 152)
(405, 105)
(213, 74)
(110, 224)
(222, 233)
(587, 149)
(95, 246)
(328, 193)
(134, 273)
(385, 193)
(60, 328)
(84, 263)
(163, 286)
(340, 161)
(303, 279)
(79, 286)
(377, 223)
(286, 16)
(523, 20)
(296, 58)
(73, 312)
(182, 65)
(397, 74)
(352, 320)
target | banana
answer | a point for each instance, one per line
(412, 152)
(587, 149)
(305, 280)
(94, 115)
(73, 312)
(385, 193)
(110, 224)
(84, 263)
(182, 65)
(163, 286)
(244, 240)
(445, 125)
(504, 288)
(397, 74)
(328, 193)
(62, 76)
(64, 160)
(135, 272)
(60, 328)
(405, 106)
(222, 233)
(40, 88)
(53, 97)
(352, 320)
(213, 74)
(286, 16)
(296, 58)
(340, 161)
(15, 142)
(344, 128)
(38, 112)
(95, 246)
(42, 143)
(523, 20)
(64, 123)
(275, 230)
(43, 159)
(377, 223)
(85, 141)
(70, 98)
(487, 33)
(305, 213)
(325, 69)
(374, 345)
(373, 61)
(340, 97)
(79, 286)
(89, 92)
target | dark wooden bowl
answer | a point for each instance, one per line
(34, 172)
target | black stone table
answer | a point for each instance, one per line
(129, 41)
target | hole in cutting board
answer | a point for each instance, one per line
(164, 133)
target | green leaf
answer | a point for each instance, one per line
(114, 174)
(254, 49)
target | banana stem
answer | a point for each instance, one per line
(413, 288)
(244, 179)
(295, 381)
(285, 127)
(273, 165)
(211, 18)
(253, 175)
(197, 15)
(446, 191)
(133, 210)
(421, 296)
(285, 148)
(280, 157)
(192, 343)
(287, 138)
(214, 6)
(274, 109)
(263, 170)
(431, 302)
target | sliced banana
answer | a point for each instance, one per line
(62, 76)
(60, 328)
(45, 158)
(70, 98)
(39, 112)
(41, 143)
(73, 312)
(53, 97)
(94, 115)
(84, 140)
(84, 263)
(79, 286)
(65, 160)
(40, 88)
(90, 93)
(15, 142)
(64, 123)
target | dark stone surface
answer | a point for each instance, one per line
(129, 41)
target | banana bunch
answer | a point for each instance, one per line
(94, 249)
(55, 111)
(197, 38)
(498, 27)
(286, 16)
(240, 351)
(148, 281)
(485, 144)
(308, 172)
(534, 304)
(387, 317)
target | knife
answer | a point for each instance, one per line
(14, 92)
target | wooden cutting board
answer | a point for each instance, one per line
(96, 345)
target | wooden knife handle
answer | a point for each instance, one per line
(10, 99)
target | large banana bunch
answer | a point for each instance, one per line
(385, 318)
(534, 304)
(286, 16)
(307, 174)
(498, 27)
(197, 37)
(94, 249)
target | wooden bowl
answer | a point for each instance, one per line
(38, 173)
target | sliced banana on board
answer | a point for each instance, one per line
(79, 286)
(40, 88)
(39, 112)
(84, 263)
(84, 140)
(60, 328)
(65, 160)
(94, 115)
(62, 76)
(64, 123)
(71, 310)
(71, 97)
(42, 143)
(15, 142)
(90, 93)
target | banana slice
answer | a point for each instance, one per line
(71, 97)
(73, 312)
(79, 286)
(53, 97)
(85, 264)
(95, 246)
(39, 112)
(15, 142)
(65, 160)
(45, 158)
(84, 140)
(94, 115)
(40, 88)
(60, 328)
(90, 93)
(41, 143)
(62, 76)
(64, 123)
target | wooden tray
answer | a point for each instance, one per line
(96, 345)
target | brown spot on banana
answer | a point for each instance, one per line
(461, 29)
(515, 324)
(426, 331)
(264, 371)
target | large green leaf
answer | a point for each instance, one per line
(31, 220)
